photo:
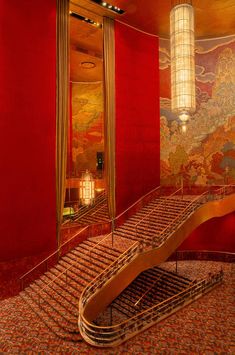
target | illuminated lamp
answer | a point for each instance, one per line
(87, 189)
(183, 97)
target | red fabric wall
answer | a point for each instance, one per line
(27, 127)
(137, 115)
(217, 234)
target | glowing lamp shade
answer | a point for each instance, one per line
(87, 189)
(183, 101)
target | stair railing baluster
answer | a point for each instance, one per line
(164, 231)
(70, 267)
(114, 335)
(154, 209)
(56, 253)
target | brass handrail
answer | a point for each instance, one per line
(120, 327)
(134, 249)
(90, 210)
(73, 237)
(136, 202)
(54, 253)
(158, 305)
(148, 290)
(224, 187)
(188, 207)
(100, 208)
(72, 265)
(179, 215)
(57, 251)
(154, 209)
(108, 334)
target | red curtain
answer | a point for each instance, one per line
(27, 127)
(137, 115)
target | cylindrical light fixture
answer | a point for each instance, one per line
(87, 189)
(183, 101)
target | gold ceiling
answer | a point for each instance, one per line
(213, 18)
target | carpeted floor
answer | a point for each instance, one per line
(204, 327)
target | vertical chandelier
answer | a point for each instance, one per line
(183, 102)
(87, 189)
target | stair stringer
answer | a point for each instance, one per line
(102, 297)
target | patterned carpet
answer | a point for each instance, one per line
(204, 327)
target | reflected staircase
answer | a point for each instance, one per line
(96, 213)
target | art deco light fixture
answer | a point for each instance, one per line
(183, 102)
(87, 189)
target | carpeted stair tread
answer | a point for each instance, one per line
(96, 264)
(62, 296)
(68, 263)
(172, 273)
(50, 314)
(98, 255)
(51, 324)
(61, 314)
(69, 293)
(111, 251)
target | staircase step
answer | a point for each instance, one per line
(110, 251)
(50, 321)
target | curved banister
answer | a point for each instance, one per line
(155, 208)
(114, 335)
(131, 251)
(159, 305)
(197, 199)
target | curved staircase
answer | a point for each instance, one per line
(99, 273)
(155, 242)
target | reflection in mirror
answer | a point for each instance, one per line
(85, 200)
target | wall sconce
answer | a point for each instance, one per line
(183, 96)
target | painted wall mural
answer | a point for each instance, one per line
(205, 154)
(87, 133)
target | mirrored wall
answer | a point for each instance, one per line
(85, 183)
